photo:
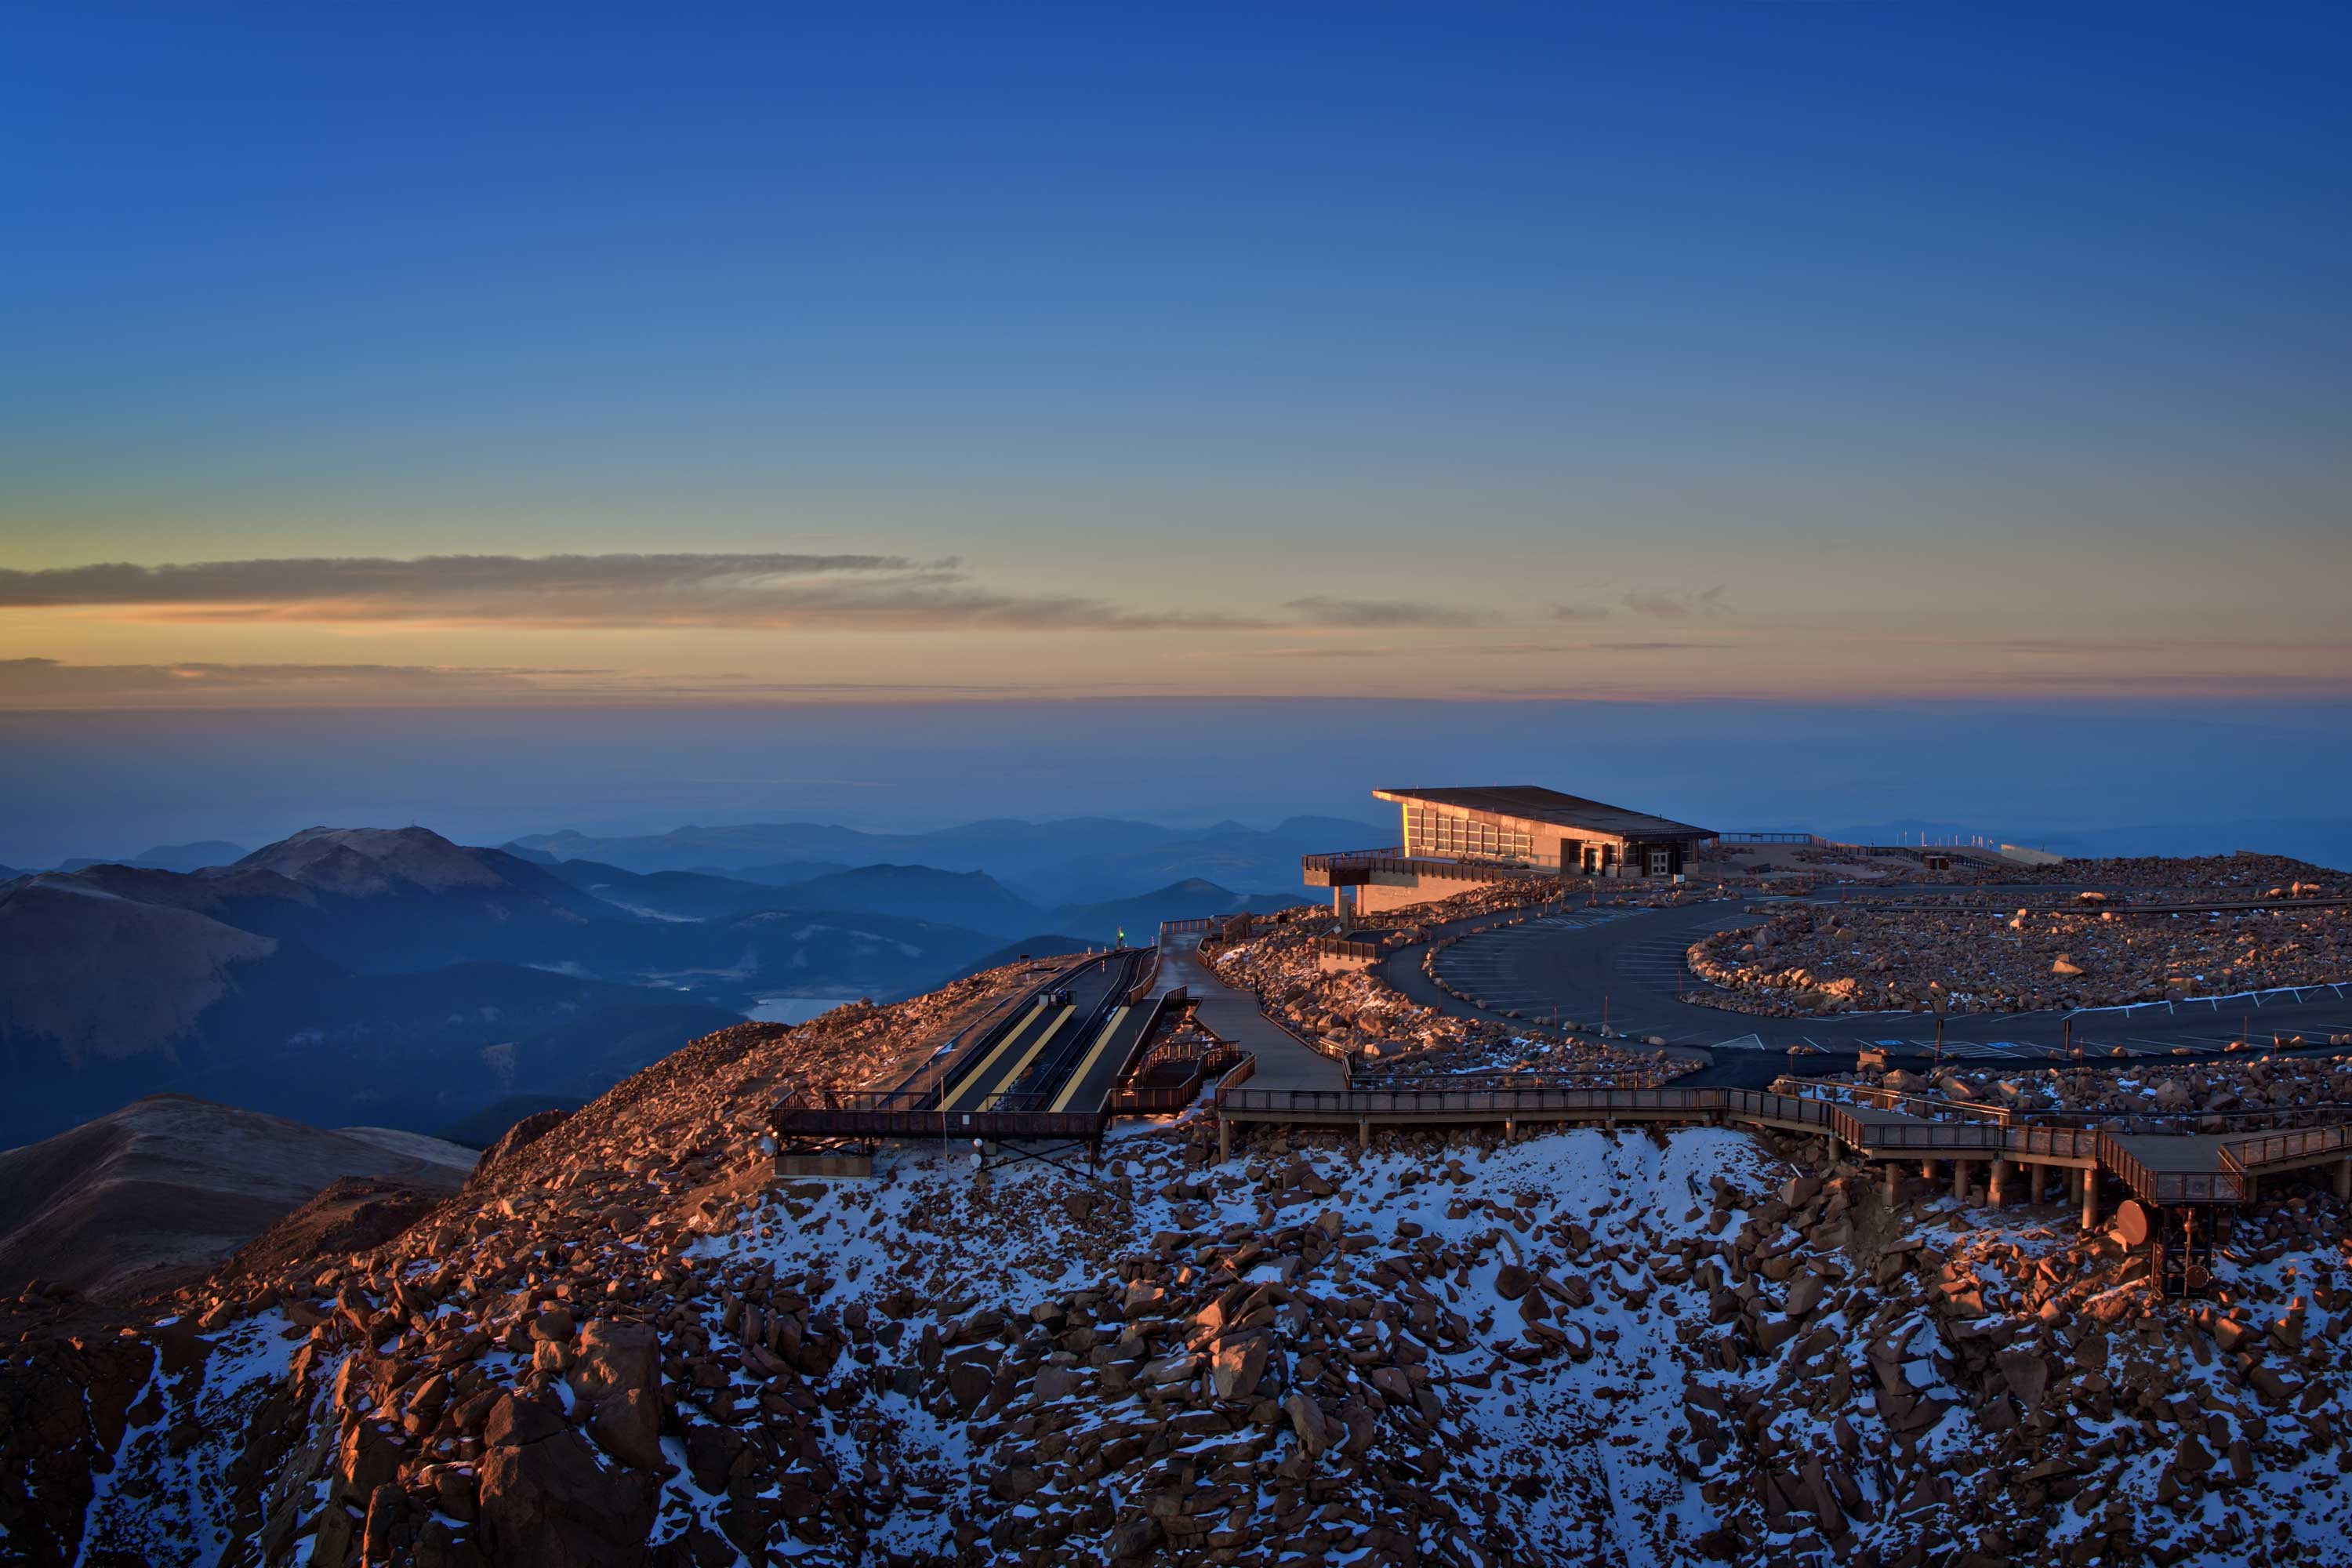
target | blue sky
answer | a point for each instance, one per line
(1670, 352)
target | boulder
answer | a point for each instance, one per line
(627, 1426)
(611, 1357)
(515, 1421)
(1237, 1363)
(548, 1504)
(1307, 1420)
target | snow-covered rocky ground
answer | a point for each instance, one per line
(629, 1341)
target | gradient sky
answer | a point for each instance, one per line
(1783, 350)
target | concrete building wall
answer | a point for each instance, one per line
(1376, 896)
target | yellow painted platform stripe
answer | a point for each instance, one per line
(980, 1074)
(1087, 1063)
(1013, 1076)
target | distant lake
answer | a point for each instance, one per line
(794, 1009)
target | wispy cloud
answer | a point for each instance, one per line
(1475, 650)
(1313, 650)
(1323, 611)
(849, 592)
(45, 681)
(1657, 603)
(51, 684)
(1678, 603)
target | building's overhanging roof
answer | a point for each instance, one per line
(1533, 802)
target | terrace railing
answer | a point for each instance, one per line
(2250, 1155)
(1395, 860)
(1927, 1106)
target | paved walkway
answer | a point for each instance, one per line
(1284, 1061)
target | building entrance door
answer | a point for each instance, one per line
(1660, 860)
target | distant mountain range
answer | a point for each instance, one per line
(970, 899)
(171, 857)
(1191, 898)
(389, 976)
(1072, 860)
(1035, 945)
(392, 977)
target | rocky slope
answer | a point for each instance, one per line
(1853, 958)
(627, 1341)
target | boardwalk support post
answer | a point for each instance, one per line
(1961, 1180)
(1224, 1141)
(1997, 1186)
(1363, 1134)
(1894, 1183)
(2343, 1180)
(2090, 1200)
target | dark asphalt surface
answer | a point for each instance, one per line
(1581, 965)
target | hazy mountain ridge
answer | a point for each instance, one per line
(668, 895)
(971, 898)
(378, 899)
(292, 1034)
(166, 1186)
(94, 975)
(1067, 860)
(1042, 944)
(1193, 899)
(164, 857)
(390, 975)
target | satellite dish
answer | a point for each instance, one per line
(2131, 1226)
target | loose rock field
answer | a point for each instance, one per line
(1853, 958)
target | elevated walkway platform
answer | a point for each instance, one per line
(1280, 1060)
(2163, 1169)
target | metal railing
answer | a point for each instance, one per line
(1496, 1096)
(2248, 1155)
(1394, 859)
(1925, 1138)
(1137, 1097)
(1927, 1106)
(2152, 1185)
(1490, 1101)
(849, 1121)
(2035, 1141)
